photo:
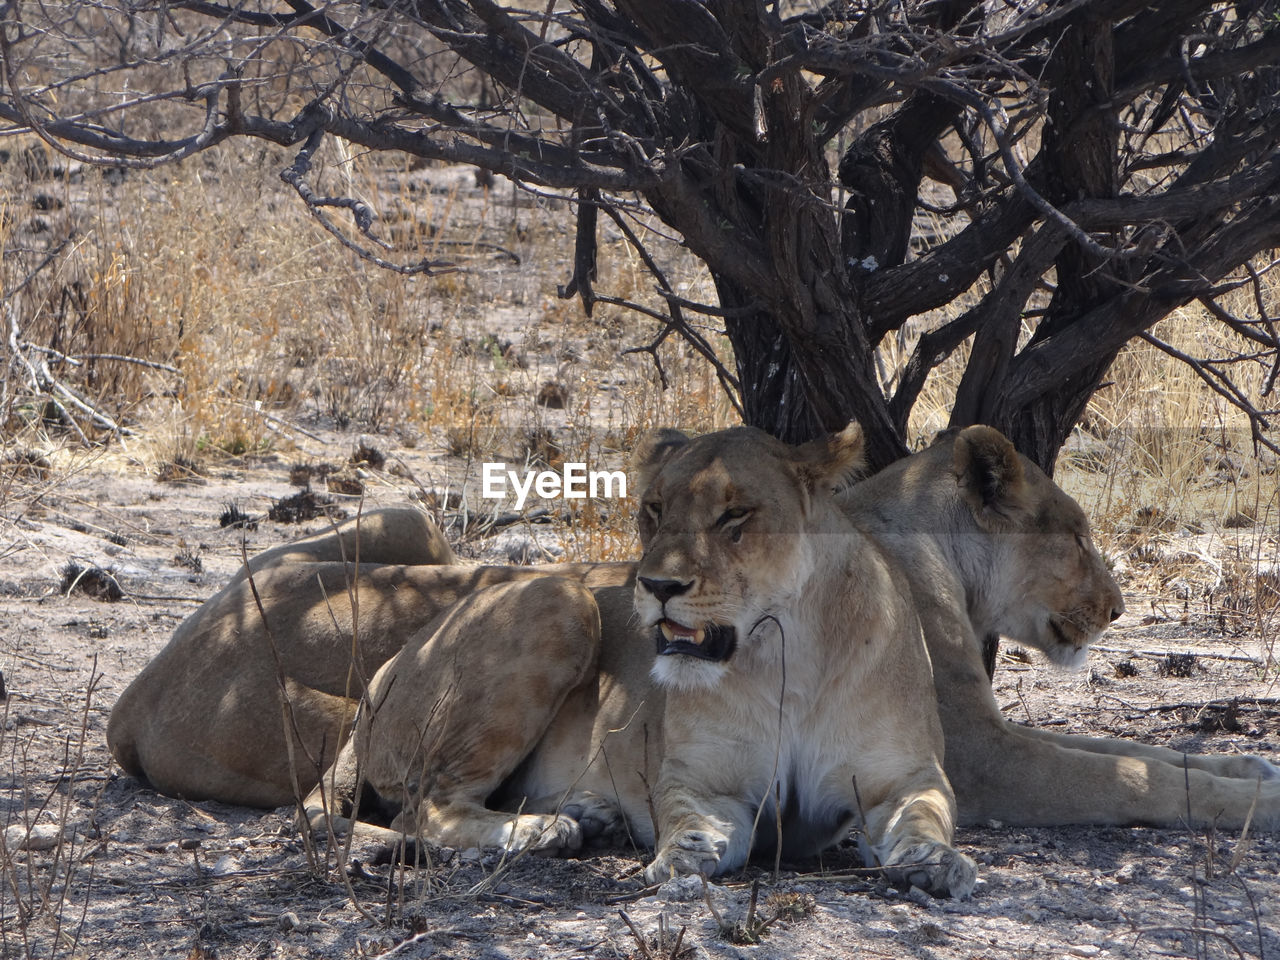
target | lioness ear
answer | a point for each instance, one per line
(652, 452)
(831, 462)
(989, 473)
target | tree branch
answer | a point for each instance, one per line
(295, 176)
(1106, 328)
(1223, 387)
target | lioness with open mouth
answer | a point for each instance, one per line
(772, 678)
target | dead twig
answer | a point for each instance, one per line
(1218, 704)
(295, 176)
(43, 384)
(1194, 931)
(1163, 654)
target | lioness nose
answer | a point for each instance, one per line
(664, 590)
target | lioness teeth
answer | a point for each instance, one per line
(675, 631)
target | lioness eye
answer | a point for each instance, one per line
(731, 520)
(654, 508)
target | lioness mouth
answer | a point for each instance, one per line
(715, 642)
(1060, 633)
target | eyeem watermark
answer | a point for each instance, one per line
(573, 482)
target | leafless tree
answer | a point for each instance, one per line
(1096, 163)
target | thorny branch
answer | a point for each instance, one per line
(1208, 371)
(674, 321)
(361, 213)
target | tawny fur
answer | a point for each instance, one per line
(514, 721)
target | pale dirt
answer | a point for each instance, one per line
(158, 877)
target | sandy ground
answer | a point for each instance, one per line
(142, 875)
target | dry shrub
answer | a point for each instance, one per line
(228, 284)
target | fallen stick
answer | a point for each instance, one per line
(1162, 654)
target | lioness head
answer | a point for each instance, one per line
(1054, 591)
(726, 522)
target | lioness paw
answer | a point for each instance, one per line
(934, 868)
(690, 851)
(542, 834)
(598, 817)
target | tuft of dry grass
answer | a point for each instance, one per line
(44, 855)
(206, 315)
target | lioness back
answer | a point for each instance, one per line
(204, 719)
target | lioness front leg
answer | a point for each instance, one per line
(692, 839)
(702, 821)
(909, 834)
(465, 702)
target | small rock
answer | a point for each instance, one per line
(523, 551)
(42, 836)
(288, 921)
(226, 864)
(687, 888)
(553, 395)
(899, 914)
(918, 897)
(470, 855)
(1084, 950)
(347, 483)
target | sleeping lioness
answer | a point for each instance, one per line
(992, 547)
(785, 692)
(988, 544)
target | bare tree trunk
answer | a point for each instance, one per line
(1079, 154)
(773, 398)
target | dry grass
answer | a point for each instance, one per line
(1175, 490)
(41, 861)
(232, 320)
